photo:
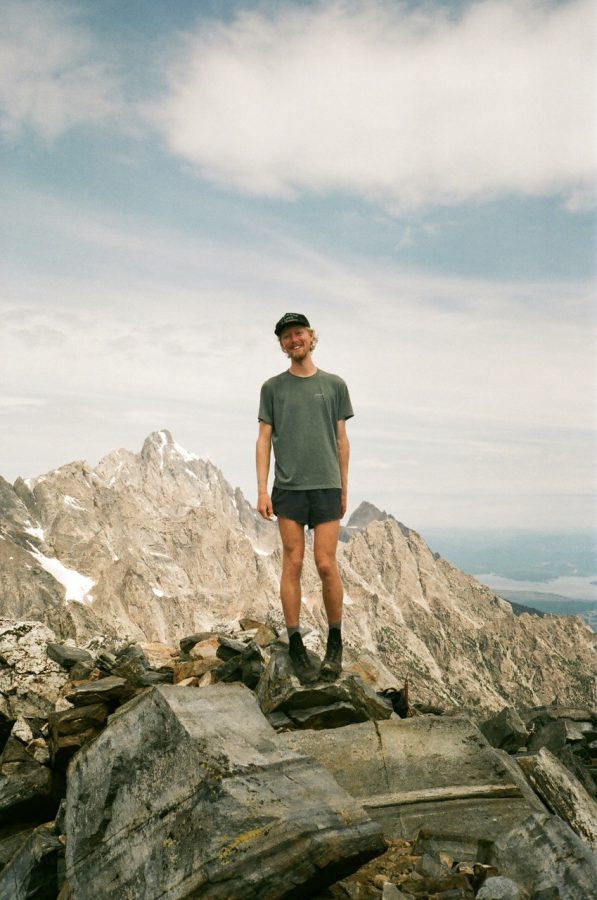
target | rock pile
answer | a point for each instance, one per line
(140, 770)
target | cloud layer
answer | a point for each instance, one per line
(407, 106)
(51, 75)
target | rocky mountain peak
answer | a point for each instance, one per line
(157, 544)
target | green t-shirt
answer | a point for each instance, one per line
(304, 413)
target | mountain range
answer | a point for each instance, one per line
(157, 545)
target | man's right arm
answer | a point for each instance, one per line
(263, 455)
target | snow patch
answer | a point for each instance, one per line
(35, 532)
(77, 586)
(188, 457)
(261, 552)
(158, 592)
(192, 474)
(72, 501)
(164, 443)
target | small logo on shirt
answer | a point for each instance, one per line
(318, 396)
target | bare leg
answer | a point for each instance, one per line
(326, 542)
(293, 545)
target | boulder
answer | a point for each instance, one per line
(435, 773)
(188, 793)
(73, 728)
(506, 730)
(26, 786)
(545, 855)
(67, 656)
(563, 793)
(33, 870)
(112, 690)
(29, 679)
(500, 888)
(279, 690)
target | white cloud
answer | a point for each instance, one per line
(51, 75)
(404, 106)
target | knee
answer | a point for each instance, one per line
(293, 564)
(326, 565)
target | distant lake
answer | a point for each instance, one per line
(570, 586)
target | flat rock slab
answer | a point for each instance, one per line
(545, 855)
(189, 793)
(111, 689)
(437, 773)
(279, 690)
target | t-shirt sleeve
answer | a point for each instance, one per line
(266, 406)
(344, 404)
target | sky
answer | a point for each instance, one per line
(418, 178)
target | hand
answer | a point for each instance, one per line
(264, 506)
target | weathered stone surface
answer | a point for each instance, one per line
(33, 871)
(29, 679)
(194, 668)
(67, 656)
(188, 793)
(111, 689)
(207, 649)
(11, 838)
(543, 853)
(501, 888)
(187, 643)
(26, 787)
(73, 728)
(563, 793)
(437, 773)
(506, 730)
(334, 715)
(552, 736)
(159, 655)
(280, 690)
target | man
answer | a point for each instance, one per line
(302, 414)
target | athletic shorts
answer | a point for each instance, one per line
(309, 508)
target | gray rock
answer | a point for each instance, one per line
(552, 736)
(11, 838)
(33, 870)
(105, 690)
(26, 786)
(280, 690)
(67, 656)
(501, 888)
(187, 643)
(543, 853)
(334, 715)
(562, 793)
(188, 793)
(506, 730)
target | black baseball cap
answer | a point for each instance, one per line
(291, 319)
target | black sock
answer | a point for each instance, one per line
(292, 629)
(335, 627)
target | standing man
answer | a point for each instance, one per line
(302, 414)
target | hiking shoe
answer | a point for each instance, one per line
(304, 669)
(331, 666)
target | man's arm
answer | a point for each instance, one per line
(343, 457)
(263, 454)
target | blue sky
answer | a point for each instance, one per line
(419, 179)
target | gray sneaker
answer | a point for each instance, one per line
(304, 669)
(331, 667)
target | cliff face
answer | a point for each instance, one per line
(157, 545)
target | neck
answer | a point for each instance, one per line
(303, 368)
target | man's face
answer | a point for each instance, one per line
(296, 341)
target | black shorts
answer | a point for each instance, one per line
(309, 508)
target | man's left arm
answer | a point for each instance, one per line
(343, 457)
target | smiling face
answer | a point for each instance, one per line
(296, 341)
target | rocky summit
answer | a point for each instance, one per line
(156, 545)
